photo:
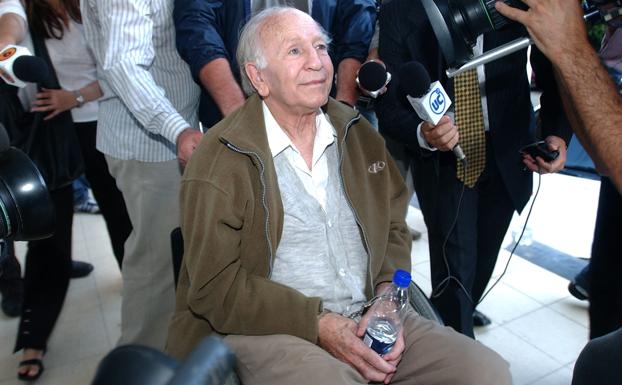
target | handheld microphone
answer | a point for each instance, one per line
(428, 99)
(33, 69)
(8, 56)
(372, 78)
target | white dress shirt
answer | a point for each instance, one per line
(150, 97)
(314, 180)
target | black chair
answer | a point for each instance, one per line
(208, 364)
(177, 251)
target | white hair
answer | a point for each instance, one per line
(250, 47)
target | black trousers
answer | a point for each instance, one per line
(472, 247)
(105, 191)
(599, 361)
(48, 268)
(606, 263)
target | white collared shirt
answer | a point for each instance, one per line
(149, 94)
(315, 180)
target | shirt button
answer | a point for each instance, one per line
(342, 272)
(330, 223)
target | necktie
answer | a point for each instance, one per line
(470, 122)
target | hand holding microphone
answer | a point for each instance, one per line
(431, 103)
(373, 78)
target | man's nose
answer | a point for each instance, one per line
(314, 60)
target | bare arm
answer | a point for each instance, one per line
(346, 80)
(218, 80)
(591, 99)
(59, 100)
(12, 29)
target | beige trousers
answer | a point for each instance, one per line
(434, 355)
(151, 193)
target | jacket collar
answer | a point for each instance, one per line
(246, 129)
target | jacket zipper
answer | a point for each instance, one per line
(358, 221)
(263, 197)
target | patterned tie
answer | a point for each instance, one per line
(470, 122)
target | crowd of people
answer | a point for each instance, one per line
(241, 122)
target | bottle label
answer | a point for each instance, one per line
(377, 345)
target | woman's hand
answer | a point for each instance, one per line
(55, 101)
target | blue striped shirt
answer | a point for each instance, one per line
(149, 95)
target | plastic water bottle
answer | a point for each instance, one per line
(384, 323)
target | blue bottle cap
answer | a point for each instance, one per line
(401, 278)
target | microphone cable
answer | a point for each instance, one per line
(516, 243)
(442, 286)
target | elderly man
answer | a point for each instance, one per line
(293, 217)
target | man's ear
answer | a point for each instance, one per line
(254, 75)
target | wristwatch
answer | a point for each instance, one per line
(79, 98)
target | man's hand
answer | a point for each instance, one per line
(554, 143)
(55, 101)
(187, 141)
(338, 336)
(556, 26)
(444, 136)
(347, 90)
(395, 354)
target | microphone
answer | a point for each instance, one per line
(372, 77)
(8, 56)
(33, 69)
(428, 99)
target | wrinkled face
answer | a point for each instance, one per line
(299, 73)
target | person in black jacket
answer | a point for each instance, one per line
(466, 252)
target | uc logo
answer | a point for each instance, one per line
(437, 101)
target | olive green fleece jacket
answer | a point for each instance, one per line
(232, 219)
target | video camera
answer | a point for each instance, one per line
(457, 23)
(26, 209)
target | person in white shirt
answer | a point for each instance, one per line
(146, 128)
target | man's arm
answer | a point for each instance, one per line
(346, 81)
(352, 34)
(397, 119)
(200, 44)
(592, 101)
(216, 77)
(125, 57)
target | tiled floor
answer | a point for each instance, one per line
(537, 326)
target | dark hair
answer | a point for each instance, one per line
(47, 22)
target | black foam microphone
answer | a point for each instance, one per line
(428, 99)
(33, 69)
(372, 78)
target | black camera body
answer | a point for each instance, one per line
(458, 23)
(26, 209)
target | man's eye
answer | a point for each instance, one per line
(294, 51)
(321, 47)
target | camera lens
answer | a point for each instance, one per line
(475, 17)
